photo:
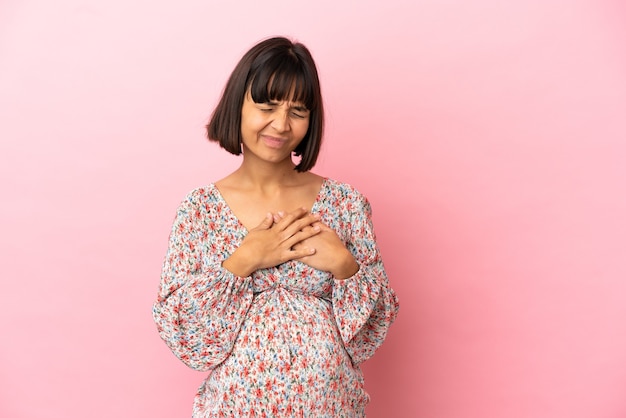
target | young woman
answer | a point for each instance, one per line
(273, 280)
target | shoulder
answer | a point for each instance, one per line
(200, 198)
(345, 195)
(203, 193)
(343, 190)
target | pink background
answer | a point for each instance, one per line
(489, 136)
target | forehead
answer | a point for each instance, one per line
(289, 102)
(282, 86)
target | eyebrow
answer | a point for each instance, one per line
(298, 108)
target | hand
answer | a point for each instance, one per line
(330, 255)
(273, 242)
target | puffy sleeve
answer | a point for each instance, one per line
(200, 306)
(364, 305)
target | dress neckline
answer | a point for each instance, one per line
(220, 197)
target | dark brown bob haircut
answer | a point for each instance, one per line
(275, 69)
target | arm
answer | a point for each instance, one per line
(364, 304)
(201, 305)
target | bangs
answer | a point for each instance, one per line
(274, 70)
(282, 78)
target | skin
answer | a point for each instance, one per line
(273, 201)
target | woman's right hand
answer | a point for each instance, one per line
(271, 243)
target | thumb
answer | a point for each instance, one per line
(267, 222)
(322, 226)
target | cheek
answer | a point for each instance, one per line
(251, 123)
(302, 128)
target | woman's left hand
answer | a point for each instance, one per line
(331, 254)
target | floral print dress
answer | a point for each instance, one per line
(285, 341)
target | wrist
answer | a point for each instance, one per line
(347, 269)
(237, 265)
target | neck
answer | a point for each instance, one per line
(264, 175)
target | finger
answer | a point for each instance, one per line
(289, 218)
(301, 252)
(302, 235)
(278, 216)
(300, 224)
(266, 223)
(324, 227)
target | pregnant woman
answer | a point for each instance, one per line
(273, 280)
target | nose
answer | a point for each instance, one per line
(280, 121)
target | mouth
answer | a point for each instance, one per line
(272, 141)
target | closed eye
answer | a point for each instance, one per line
(299, 115)
(296, 111)
(300, 112)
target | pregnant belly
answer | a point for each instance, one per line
(287, 354)
(290, 328)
